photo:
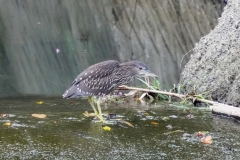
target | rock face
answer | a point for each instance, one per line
(215, 63)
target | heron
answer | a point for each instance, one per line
(102, 78)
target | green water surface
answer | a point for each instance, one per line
(66, 133)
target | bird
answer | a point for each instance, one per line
(102, 78)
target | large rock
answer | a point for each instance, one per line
(215, 63)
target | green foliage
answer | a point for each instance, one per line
(155, 85)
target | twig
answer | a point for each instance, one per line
(152, 91)
(181, 96)
(216, 107)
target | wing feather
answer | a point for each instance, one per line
(98, 79)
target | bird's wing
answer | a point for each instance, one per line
(95, 80)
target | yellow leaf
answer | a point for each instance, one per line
(165, 118)
(154, 123)
(207, 140)
(39, 115)
(147, 114)
(7, 124)
(106, 128)
(128, 123)
(39, 102)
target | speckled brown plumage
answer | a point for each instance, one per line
(102, 78)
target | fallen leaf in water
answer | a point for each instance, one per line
(39, 102)
(186, 135)
(207, 140)
(3, 115)
(39, 115)
(106, 128)
(169, 126)
(165, 118)
(202, 133)
(154, 123)
(149, 117)
(7, 124)
(190, 115)
(173, 132)
(173, 116)
(147, 113)
(128, 123)
(199, 134)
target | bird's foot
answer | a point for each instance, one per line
(89, 114)
(105, 121)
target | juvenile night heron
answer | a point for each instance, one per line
(102, 78)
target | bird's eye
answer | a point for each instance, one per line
(140, 68)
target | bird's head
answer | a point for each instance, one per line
(140, 69)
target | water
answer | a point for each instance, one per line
(66, 133)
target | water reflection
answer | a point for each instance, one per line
(66, 134)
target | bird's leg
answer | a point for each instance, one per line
(147, 81)
(99, 110)
(90, 100)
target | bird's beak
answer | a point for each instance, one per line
(148, 73)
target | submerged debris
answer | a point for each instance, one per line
(39, 115)
(207, 140)
(106, 128)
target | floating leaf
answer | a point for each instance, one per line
(106, 128)
(7, 124)
(186, 135)
(190, 115)
(173, 132)
(3, 115)
(173, 116)
(128, 123)
(147, 113)
(39, 115)
(39, 102)
(202, 133)
(199, 134)
(207, 140)
(205, 132)
(154, 123)
(149, 117)
(169, 126)
(165, 118)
